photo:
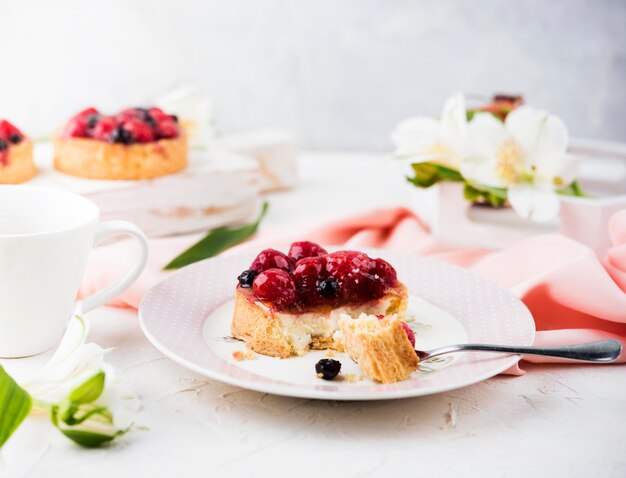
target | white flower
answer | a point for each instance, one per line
(73, 363)
(195, 115)
(422, 138)
(526, 155)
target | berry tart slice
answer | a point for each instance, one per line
(137, 143)
(16, 155)
(288, 304)
(383, 346)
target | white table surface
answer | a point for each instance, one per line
(554, 421)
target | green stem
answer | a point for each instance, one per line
(575, 190)
(42, 405)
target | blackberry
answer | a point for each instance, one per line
(246, 278)
(328, 368)
(328, 288)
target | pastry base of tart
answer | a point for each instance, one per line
(19, 165)
(94, 159)
(379, 346)
(283, 334)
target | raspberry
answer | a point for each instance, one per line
(167, 128)
(104, 128)
(127, 115)
(385, 272)
(139, 131)
(306, 275)
(10, 132)
(77, 127)
(86, 112)
(352, 271)
(158, 114)
(301, 249)
(271, 258)
(275, 285)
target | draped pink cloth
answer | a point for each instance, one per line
(573, 296)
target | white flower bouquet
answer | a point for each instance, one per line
(504, 153)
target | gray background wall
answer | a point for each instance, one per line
(340, 74)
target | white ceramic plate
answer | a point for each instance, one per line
(187, 317)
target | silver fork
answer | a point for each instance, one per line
(603, 351)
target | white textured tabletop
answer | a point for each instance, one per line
(556, 421)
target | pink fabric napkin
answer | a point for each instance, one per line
(573, 296)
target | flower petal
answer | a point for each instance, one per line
(415, 136)
(538, 132)
(535, 204)
(454, 123)
(557, 171)
(485, 135)
(481, 170)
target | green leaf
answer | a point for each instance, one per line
(89, 390)
(573, 189)
(427, 174)
(216, 241)
(15, 403)
(90, 439)
(495, 197)
(101, 431)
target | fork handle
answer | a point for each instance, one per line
(600, 351)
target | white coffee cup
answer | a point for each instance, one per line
(45, 238)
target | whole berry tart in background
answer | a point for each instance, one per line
(16, 155)
(137, 143)
(288, 304)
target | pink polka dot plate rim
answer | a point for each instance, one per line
(186, 317)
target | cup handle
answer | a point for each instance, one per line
(103, 296)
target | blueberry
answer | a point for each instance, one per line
(92, 120)
(246, 278)
(145, 116)
(328, 368)
(15, 138)
(3, 145)
(328, 288)
(120, 135)
(175, 118)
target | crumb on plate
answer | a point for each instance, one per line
(240, 355)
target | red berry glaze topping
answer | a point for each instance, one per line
(269, 259)
(319, 278)
(129, 126)
(301, 249)
(275, 285)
